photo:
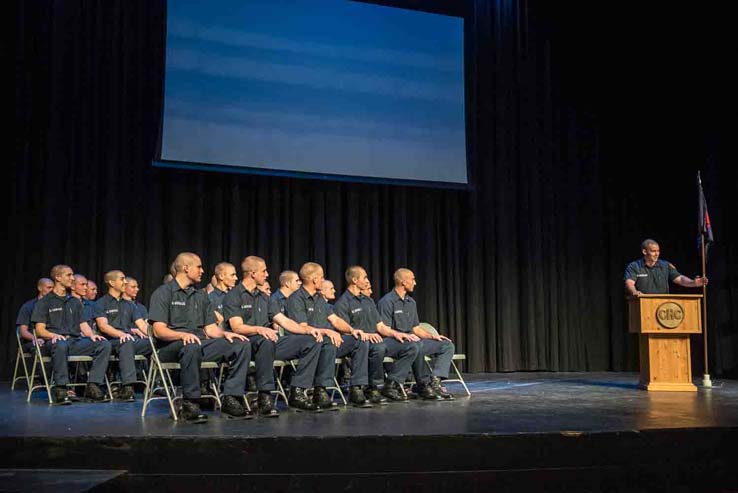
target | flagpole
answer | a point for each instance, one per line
(706, 382)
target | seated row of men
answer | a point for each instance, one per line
(237, 322)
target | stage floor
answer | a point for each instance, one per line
(517, 432)
(501, 403)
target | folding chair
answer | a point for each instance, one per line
(20, 360)
(39, 360)
(161, 371)
(456, 357)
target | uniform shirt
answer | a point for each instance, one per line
(88, 313)
(118, 311)
(401, 315)
(139, 311)
(24, 314)
(357, 311)
(280, 301)
(302, 308)
(61, 314)
(651, 280)
(184, 310)
(254, 307)
(216, 297)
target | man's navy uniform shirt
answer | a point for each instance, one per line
(254, 307)
(651, 280)
(119, 312)
(24, 314)
(397, 313)
(61, 314)
(139, 311)
(357, 311)
(216, 296)
(280, 299)
(313, 310)
(185, 310)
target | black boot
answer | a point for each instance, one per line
(127, 394)
(191, 412)
(60, 397)
(373, 395)
(323, 400)
(93, 393)
(266, 406)
(391, 391)
(438, 389)
(356, 397)
(425, 391)
(232, 408)
(300, 401)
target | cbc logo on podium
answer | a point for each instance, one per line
(670, 314)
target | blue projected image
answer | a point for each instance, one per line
(328, 87)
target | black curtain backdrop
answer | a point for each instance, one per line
(585, 129)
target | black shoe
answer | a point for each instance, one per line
(323, 400)
(60, 396)
(300, 401)
(425, 391)
(372, 395)
(232, 408)
(391, 391)
(126, 394)
(93, 393)
(266, 406)
(438, 389)
(356, 397)
(191, 412)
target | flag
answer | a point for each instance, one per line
(704, 228)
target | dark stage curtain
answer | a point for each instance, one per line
(523, 271)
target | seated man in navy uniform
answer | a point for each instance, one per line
(184, 323)
(250, 312)
(91, 291)
(130, 294)
(307, 306)
(360, 312)
(289, 282)
(328, 291)
(224, 279)
(399, 311)
(58, 318)
(23, 321)
(650, 275)
(116, 319)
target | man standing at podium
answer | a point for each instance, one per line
(650, 275)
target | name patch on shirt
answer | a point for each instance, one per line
(641, 275)
(356, 310)
(398, 311)
(246, 307)
(52, 310)
(114, 310)
(179, 303)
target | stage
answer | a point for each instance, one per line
(518, 432)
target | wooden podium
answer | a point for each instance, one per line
(664, 323)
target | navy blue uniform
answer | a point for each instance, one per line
(313, 310)
(190, 310)
(256, 309)
(120, 315)
(216, 297)
(402, 314)
(361, 313)
(651, 280)
(63, 315)
(24, 318)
